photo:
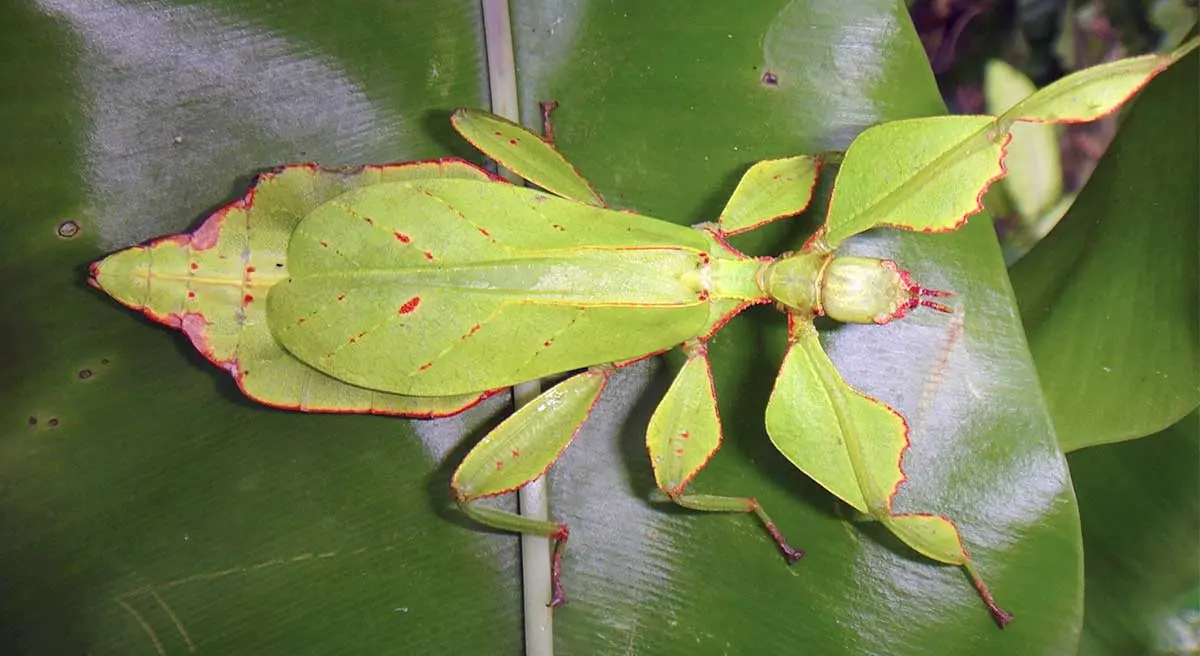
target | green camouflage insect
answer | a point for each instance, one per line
(418, 289)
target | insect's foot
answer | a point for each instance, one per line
(792, 555)
(548, 106)
(557, 597)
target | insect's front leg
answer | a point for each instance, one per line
(683, 435)
(522, 448)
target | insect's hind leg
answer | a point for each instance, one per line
(683, 435)
(522, 448)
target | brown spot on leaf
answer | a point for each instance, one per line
(194, 266)
(68, 229)
(425, 366)
(770, 79)
(53, 422)
(32, 420)
(403, 238)
(485, 233)
(84, 374)
(341, 297)
(429, 256)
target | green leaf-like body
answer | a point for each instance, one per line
(212, 284)
(475, 286)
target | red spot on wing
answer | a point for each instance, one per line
(474, 329)
(547, 342)
(250, 269)
(499, 465)
(685, 435)
(194, 266)
(247, 299)
(425, 366)
(497, 133)
(485, 233)
(410, 305)
(512, 142)
(703, 295)
(404, 239)
(341, 297)
(324, 244)
(679, 452)
(191, 294)
(428, 255)
(516, 453)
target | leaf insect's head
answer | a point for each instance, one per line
(869, 290)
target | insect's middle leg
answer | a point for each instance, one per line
(522, 448)
(683, 435)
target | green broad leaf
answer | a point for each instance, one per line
(1033, 160)
(151, 508)
(1109, 298)
(1141, 595)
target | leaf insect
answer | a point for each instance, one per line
(384, 289)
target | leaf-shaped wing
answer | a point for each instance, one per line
(446, 287)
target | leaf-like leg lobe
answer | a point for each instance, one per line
(522, 448)
(683, 435)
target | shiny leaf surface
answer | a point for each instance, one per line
(152, 509)
(1109, 298)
